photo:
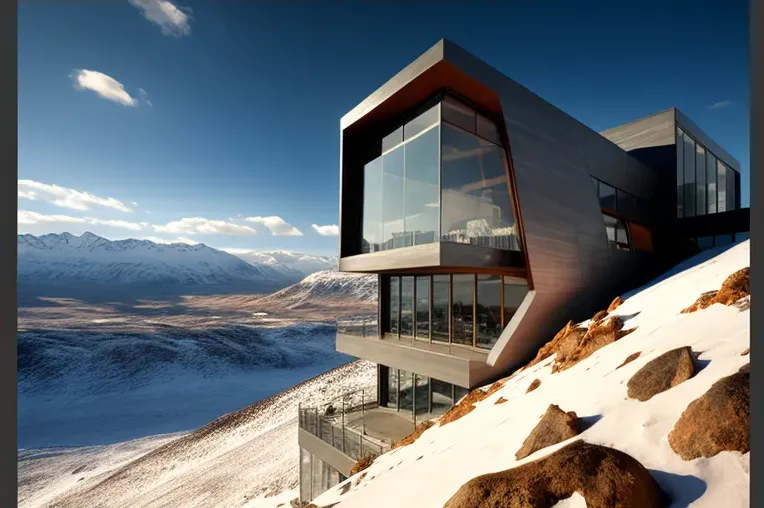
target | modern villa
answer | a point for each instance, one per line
(491, 217)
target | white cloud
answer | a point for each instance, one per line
(144, 96)
(27, 194)
(199, 225)
(105, 86)
(170, 18)
(28, 217)
(276, 225)
(134, 203)
(167, 241)
(68, 198)
(720, 104)
(329, 230)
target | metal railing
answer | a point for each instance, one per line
(330, 423)
(362, 326)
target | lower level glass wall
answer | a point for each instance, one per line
(707, 242)
(416, 394)
(466, 309)
(316, 476)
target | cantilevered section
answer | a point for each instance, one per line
(557, 239)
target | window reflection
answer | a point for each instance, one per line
(395, 297)
(711, 181)
(689, 176)
(679, 173)
(700, 180)
(406, 393)
(421, 123)
(721, 186)
(392, 199)
(392, 388)
(462, 308)
(372, 207)
(422, 190)
(730, 181)
(440, 291)
(617, 234)
(488, 310)
(407, 306)
(476, 206)
(607, 196)
(442, 396)
(422, 394)
(514, 294)
(459, 114)
(423, 307)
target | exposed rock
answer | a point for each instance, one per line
(745, 368)
(746, 352)
(500, 400)
(552, 346)
(605, 477)
(717, 421)
(735, 287)
(555, 427)
(743, 304)
(662, 373)
(418, 431)
(598, 335)
(361, 464)
(535, 384)
(629, 359)
(466, 404)
(614, 304)
(599, 316)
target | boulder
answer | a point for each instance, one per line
(614, 304)
(598, 335)
(555, 427)
(605, 477)
(717, 421)
(500, 400)
(534, 384)
(662, 373)
(629, 359)
(746, 352)
(734, 287)
(599, 316)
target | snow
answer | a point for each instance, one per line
(486, 439)
(328, 284)
(246, 459)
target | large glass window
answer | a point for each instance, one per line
(476, 206)
(700, 180)
(617, 234)
(422, 188)
(392, 199)
(423, 307)
(459, 114)
(679, 173)
(488, 310)
(711, 181)
(514, 294)
(395, 299)
(372, 207)
(407, 306)
(421, 123)
(421, 394)
(406, 394)
(730, 181)
(607, 196)
(392, 388)
(689, 176)
(392, 139)
(441, 287)
(442, 396)
(721, 186)
(462, 308)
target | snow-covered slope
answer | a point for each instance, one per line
(326, 286)
(232, 462)
(90, 259)
(429, 471)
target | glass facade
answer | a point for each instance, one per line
(418, 394)
(316, 476)
(465, 309)
(443, 176)
(705, 184)
(613, 198)
(707, 242)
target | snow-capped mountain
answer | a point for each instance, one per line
(287, 262)
(326, 285)
(90, 259)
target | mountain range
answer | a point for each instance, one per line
(90, 261)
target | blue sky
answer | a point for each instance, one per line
(230, 110)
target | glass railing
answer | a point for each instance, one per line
(361, 326)
(340, 424)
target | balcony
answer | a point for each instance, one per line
(452, 363)
(349, 428)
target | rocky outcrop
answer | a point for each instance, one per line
(500, 400)
(717, 421)
(599, 335)
(735, 287)
(555, 427)
(361, 464)
(614, 304)
(467, 404)
(661, 374)
(534, 384)
(629, 359)
(599, 316)
(418, 431)
(603, 476)
(746, 352)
